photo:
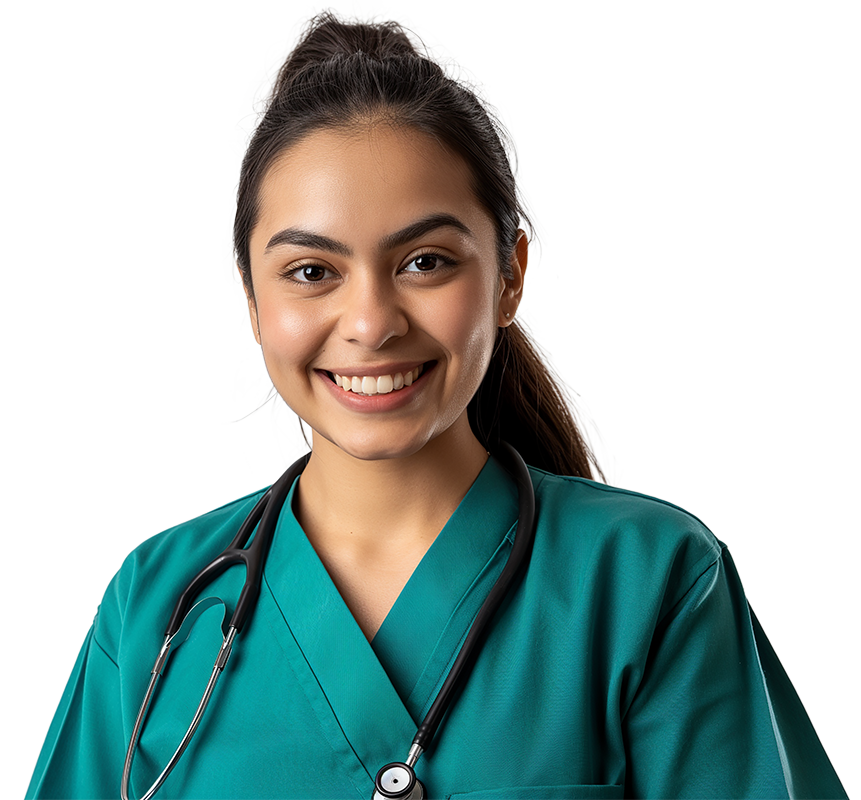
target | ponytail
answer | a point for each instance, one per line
(520, 402)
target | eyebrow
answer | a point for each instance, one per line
(304, 238)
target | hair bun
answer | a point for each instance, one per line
(328, 37)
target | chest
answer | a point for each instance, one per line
(370, 585)
(317, 716)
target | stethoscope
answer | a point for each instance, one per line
(395, 781)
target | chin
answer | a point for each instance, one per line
(376, 447)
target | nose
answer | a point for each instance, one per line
(372, 312)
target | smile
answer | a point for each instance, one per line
(380, 384)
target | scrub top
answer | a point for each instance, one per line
(627, 663)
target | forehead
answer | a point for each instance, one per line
(360, 184)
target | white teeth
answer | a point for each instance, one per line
(370, 385)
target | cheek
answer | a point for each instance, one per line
(289, 336)
(470, 320)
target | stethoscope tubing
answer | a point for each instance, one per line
(518, 561)
(266, 512)
(264, 519)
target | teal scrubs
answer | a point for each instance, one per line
(626, 664)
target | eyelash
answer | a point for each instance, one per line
(446, 262)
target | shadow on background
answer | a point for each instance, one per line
(106, 425)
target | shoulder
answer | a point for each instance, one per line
(150, 576)
(612, 510)
(640, 544)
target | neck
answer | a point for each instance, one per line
(369, 506)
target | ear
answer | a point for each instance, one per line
(511, 289)
(252, 309)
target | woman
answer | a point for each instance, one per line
(377, 235)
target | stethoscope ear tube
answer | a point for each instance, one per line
(265, 512)
(517, 562)
(220, 661)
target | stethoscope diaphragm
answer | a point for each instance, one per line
(397, 781)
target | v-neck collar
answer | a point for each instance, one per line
(375, 696)
(422, 632)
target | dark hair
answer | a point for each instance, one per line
(344, 74)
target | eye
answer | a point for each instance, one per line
(428, 262)
(310, 273)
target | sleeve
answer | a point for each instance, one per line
(84, 750)
(715, 714)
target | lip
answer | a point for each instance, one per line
(377, 403)
(377, 370)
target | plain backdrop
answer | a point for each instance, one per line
(693, 171)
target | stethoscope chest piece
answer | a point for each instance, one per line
(397, 781)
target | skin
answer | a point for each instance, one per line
(346, 282)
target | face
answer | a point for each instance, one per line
(377, 292)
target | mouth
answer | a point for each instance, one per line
(369, 385)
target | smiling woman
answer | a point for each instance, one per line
(356, 273)
(580, 640)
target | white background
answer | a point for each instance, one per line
(693, 169)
